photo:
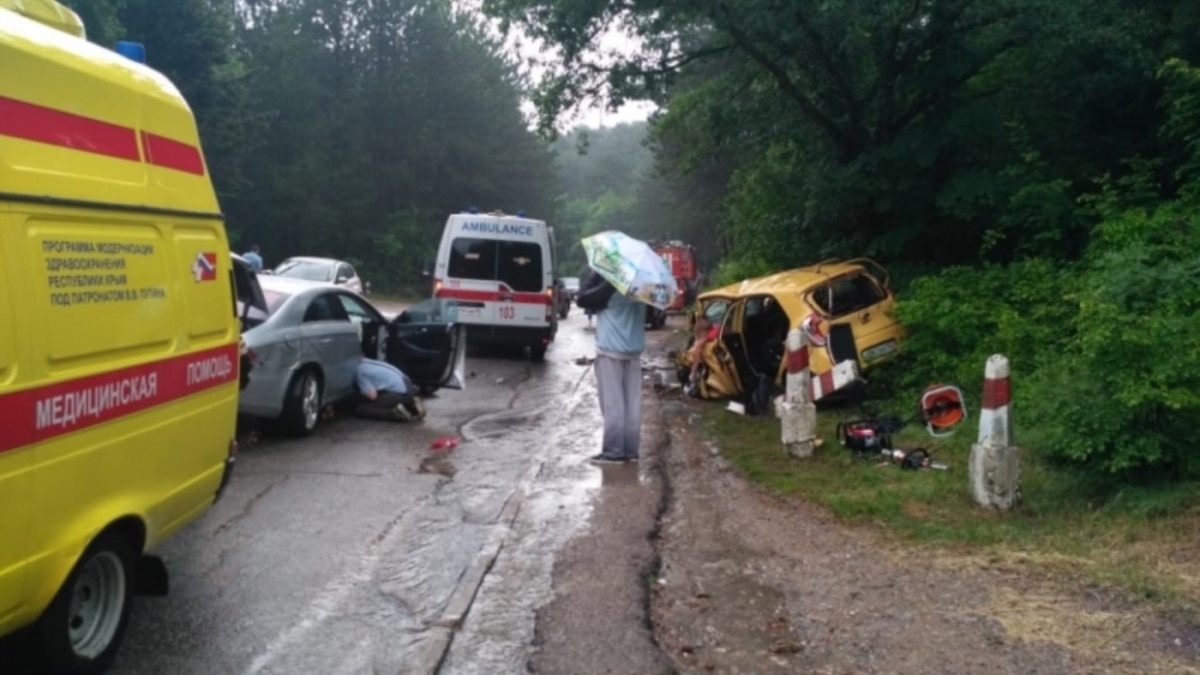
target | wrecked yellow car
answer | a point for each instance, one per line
(751, 319)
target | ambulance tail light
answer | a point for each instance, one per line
(549, 305)
(437, 286)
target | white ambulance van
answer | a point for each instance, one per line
(500, 269)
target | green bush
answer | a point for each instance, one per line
(957, 318)
(1125, 396)
(734, 269)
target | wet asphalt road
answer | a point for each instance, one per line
(361, 550)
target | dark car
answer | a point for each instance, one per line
(655, 318)
(562, 299)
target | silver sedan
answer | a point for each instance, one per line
(305, 348)
(337, 272)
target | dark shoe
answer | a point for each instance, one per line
(605, 459)
(402, 413)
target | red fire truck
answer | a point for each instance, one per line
(681, 260)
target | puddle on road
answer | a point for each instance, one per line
(516, 421)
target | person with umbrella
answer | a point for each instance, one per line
(637, 275)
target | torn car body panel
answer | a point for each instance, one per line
(851, 298)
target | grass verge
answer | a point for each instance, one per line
(1143, 542)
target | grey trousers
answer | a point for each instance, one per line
(619, 383)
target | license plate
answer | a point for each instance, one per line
(879, 351)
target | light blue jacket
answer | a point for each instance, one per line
(379, 376)
(621, 328)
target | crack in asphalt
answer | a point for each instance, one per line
(248, 506)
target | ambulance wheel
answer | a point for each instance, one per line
(537, 352)
(302, 407)
(83, 626)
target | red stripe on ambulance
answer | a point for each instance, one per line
(494, 296)
(32, 122)
(163, 151)
(43, 413)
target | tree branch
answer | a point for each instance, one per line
(844, 142)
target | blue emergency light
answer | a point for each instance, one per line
(520, 213)
(473, 209)
(134, 51)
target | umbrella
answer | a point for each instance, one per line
(632, 267)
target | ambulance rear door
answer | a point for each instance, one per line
(525, 294)
(499, 282)
(471, 278)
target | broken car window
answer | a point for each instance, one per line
(848, 294)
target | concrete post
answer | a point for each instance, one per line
(798, 414)
(995, 465)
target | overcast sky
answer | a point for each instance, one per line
(594, 115)
(597, 116)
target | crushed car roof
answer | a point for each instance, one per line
(788, 281)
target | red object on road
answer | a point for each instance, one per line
(445, 443)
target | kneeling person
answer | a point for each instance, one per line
(387, 393)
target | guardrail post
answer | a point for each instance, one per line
(995, 465)
(798, 414)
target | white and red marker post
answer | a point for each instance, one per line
(995, 465)
(798, 413)
(839, 376)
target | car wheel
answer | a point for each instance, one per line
(82, 628)
(302, 407)
(565, 311)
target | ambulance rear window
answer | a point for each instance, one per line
(516, 263)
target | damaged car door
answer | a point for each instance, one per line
(722, 355)
(428, 344)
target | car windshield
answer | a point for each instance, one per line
(715, 310)
(312, 270)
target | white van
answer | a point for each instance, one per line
(500, 268)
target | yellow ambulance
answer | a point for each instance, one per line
(118, 339)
